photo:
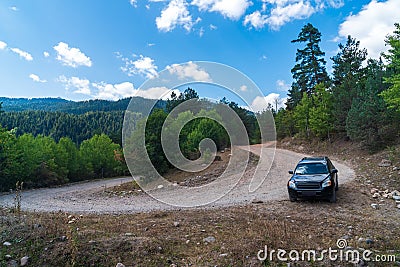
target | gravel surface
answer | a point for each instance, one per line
(84, 197)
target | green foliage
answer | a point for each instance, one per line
(285, 124)
(59, 124)
(392, 94)
(321, 119)
(310, 65)
(301, 115)
(154, 124)
(368, 117)
(40, 161)
(99, 153)
(348, 79)
(175, 100)
(137, 104)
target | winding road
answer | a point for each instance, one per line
(85, 197)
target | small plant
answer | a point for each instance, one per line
(392, 153)
(17, 198)
(73, 237)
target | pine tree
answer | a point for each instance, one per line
(392, 94)
(348, 78)
(310, 65)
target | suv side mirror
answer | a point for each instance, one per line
(290, 172)
(334, 171)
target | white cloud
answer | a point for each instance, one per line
(284, 11)
(175, 14)
(36, 78)
(133, 3)
(189, 70)
(22, 54)
(256, 20)
(261, 103)
(281, 15)
(232, 9)
(46, 54)
(80, 86)
(281, 85)
(156, 93)
(201, 32)
(371, 25)
(127, 89)
(336, 3)
(143, 66)
(114, 91)
(3, 45)
(14, 8)
(213, 27)
(71, 56)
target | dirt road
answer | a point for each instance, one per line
(84, 197)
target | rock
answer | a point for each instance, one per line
(361, 240)
(398, 206)
(396, 197)
(374, 190)
(395, 168)
(395, 193)
(160, 186)
(385, 163)
(223, 254)
(376, 195)
(217, 158)
(24, 261)
(12, 263)
(301, 148)
(8, 257)
(177, 224)
(385, 195)
(128, 234)
(374, 206)
(257, 201)
(119, 265)
(361, 263)
(63, 238)
(7, 244)
(209, 239)
(346, 237)
(369, 241)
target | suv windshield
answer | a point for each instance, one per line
(311, 168)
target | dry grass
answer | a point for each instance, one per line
(152, 239)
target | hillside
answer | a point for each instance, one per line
(139, 105)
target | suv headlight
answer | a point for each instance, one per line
(292, 184)
(327, 183)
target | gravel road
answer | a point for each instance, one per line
(84, 197)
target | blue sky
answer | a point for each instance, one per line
(106, 49)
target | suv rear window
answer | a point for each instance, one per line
(311, 168)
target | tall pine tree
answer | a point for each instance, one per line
(310, 65)
(348, 79)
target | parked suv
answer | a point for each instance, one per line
(313, 177)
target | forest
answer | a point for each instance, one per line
(46, 142)
(360, 101)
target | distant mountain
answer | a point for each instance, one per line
(81, 120)
(139, 105)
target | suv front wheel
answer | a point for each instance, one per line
(333, 199)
